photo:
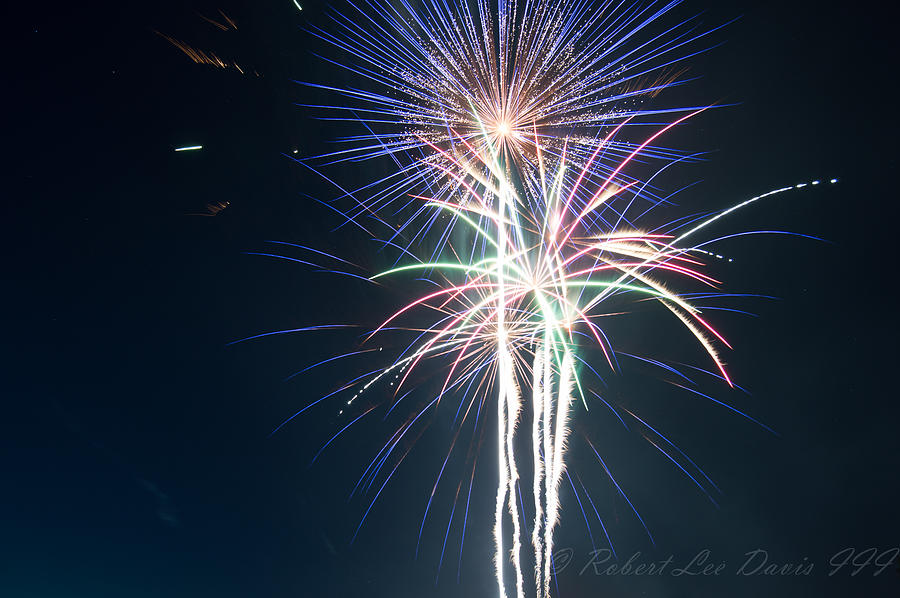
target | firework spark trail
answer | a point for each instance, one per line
(513, 409)
(508, 388)
(503, 380)
(537, 405)
(502, 487)
(742, 204)
(556, 465)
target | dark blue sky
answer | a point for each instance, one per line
(133, 446)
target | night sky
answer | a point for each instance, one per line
(134, 444)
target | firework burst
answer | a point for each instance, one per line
(506, 121)
(447, 80)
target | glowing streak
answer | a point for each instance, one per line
(556, 466)
(188, 148)
(538, 390)
(724, 213)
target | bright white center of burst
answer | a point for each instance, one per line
(503, 128)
